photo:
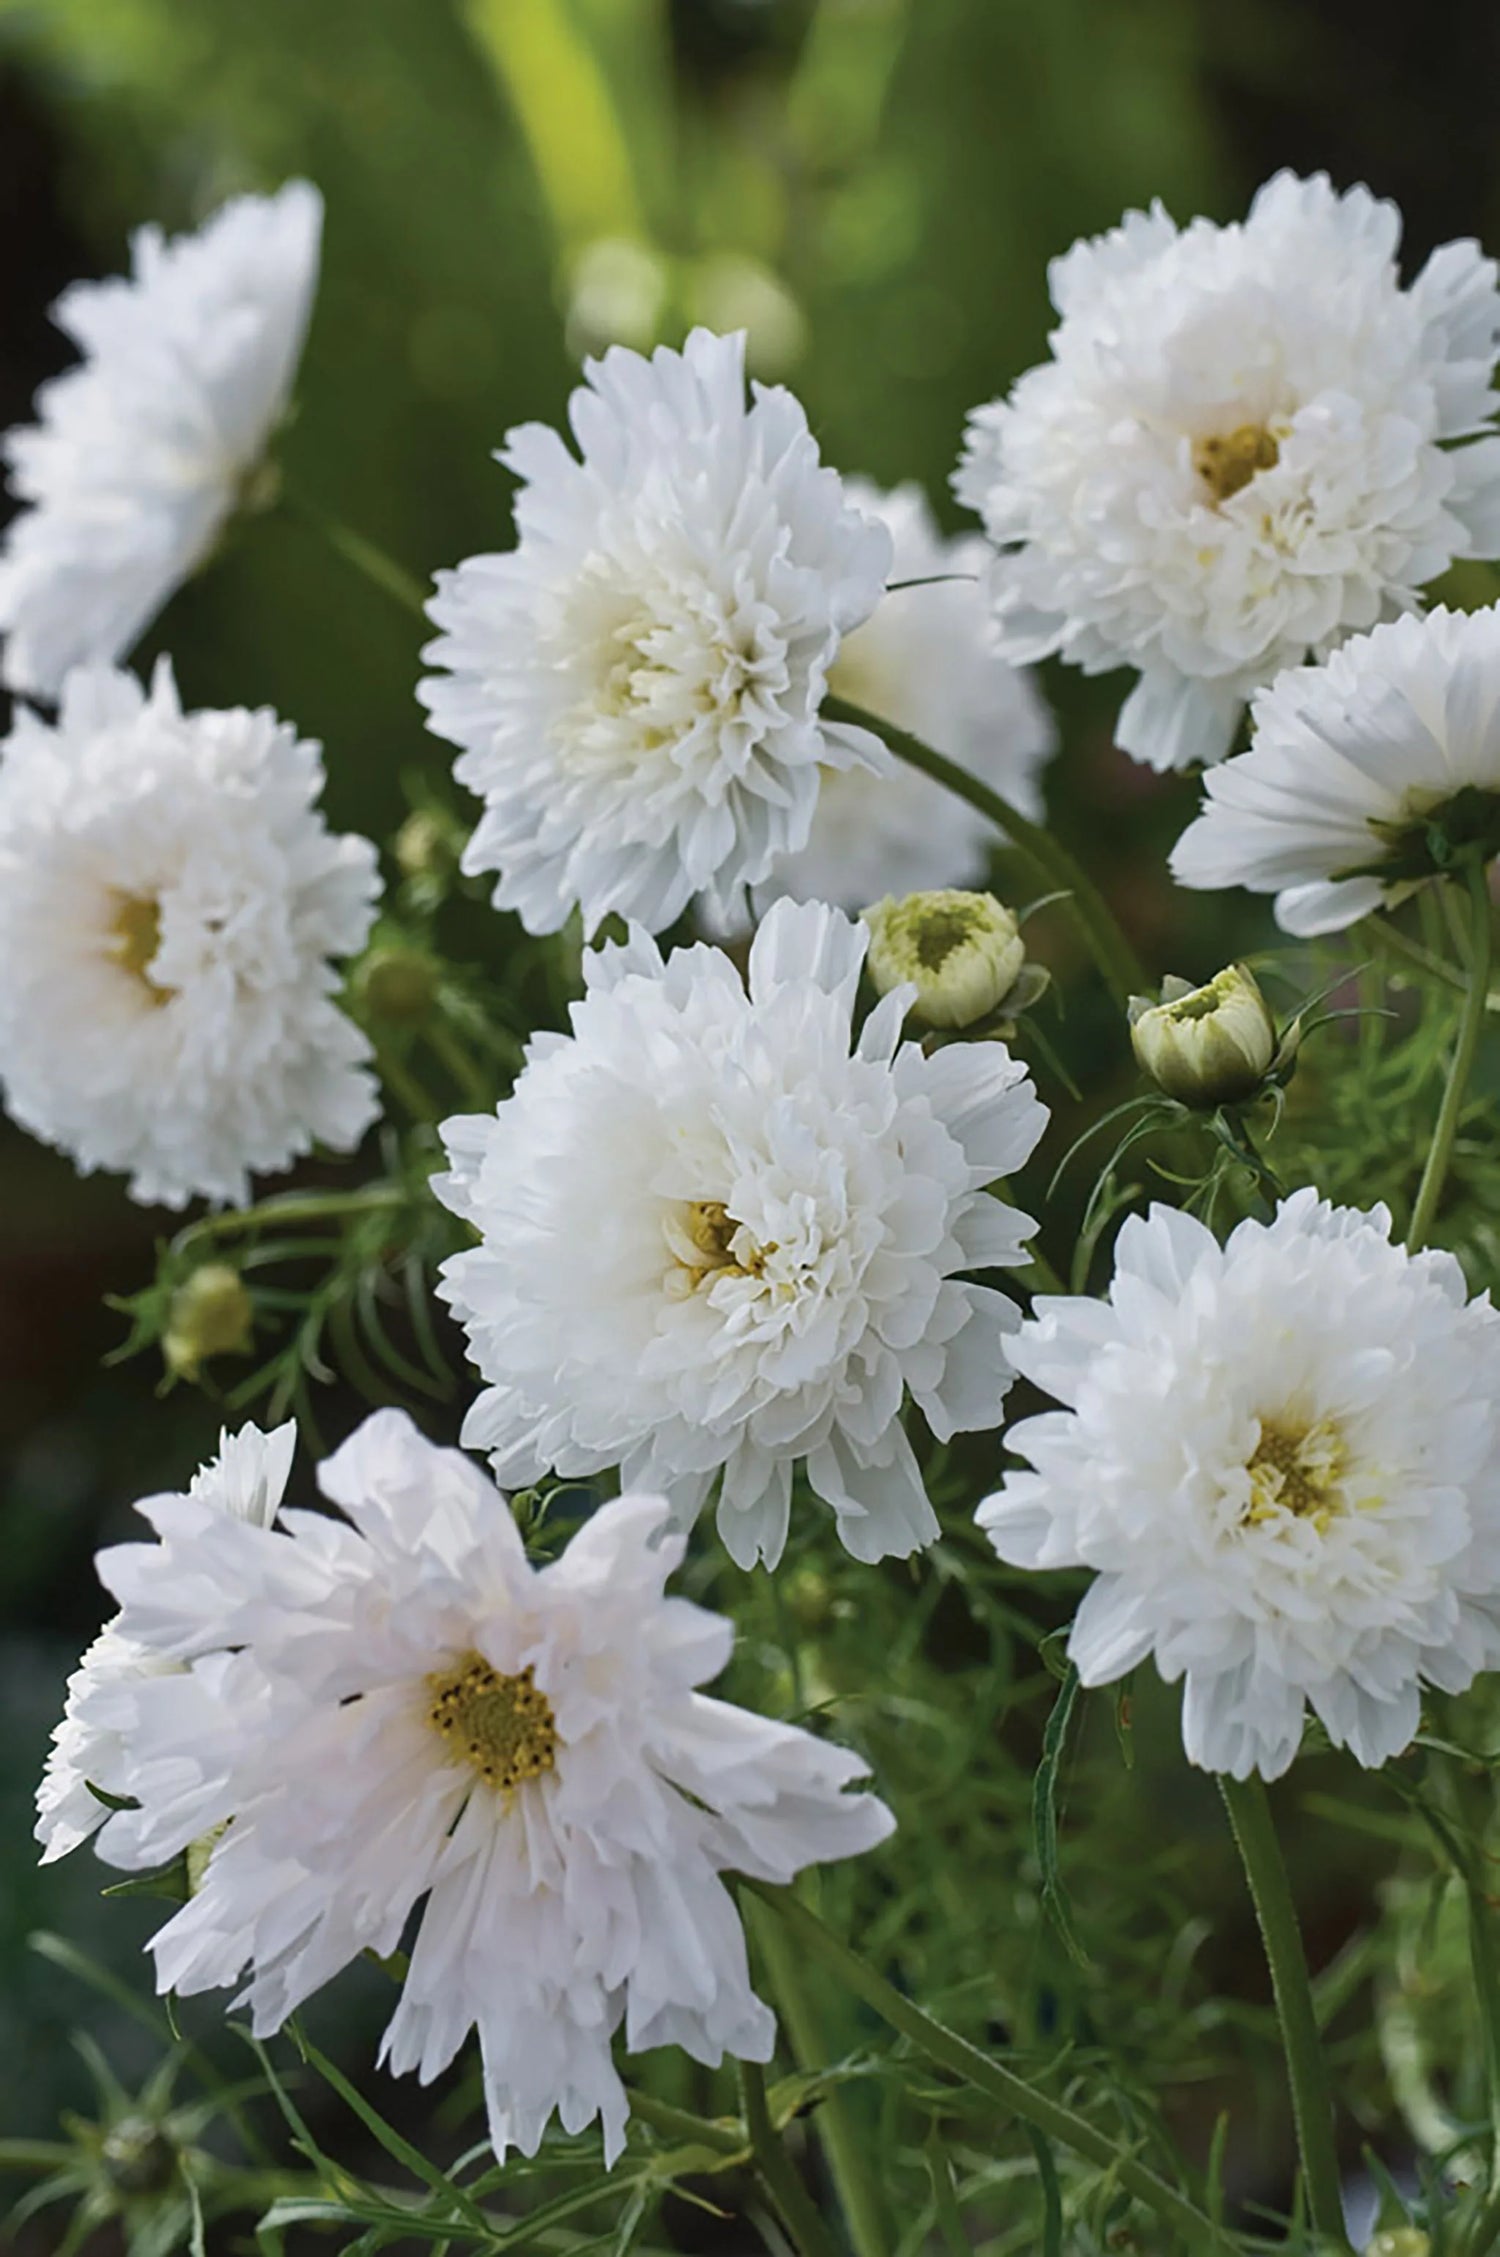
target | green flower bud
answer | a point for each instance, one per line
(421, 846)
(962, 952)
(395, 985)
(211, 1314)
(1399, 2241)
(1208, 1045)
(138, 2157)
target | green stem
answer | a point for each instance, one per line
(846, 2148)
(371, 562)
(1107, 944)
(1440, 1152)
(965, 2061)
(781, 2182)
(466, 1071)
(1312, 2109)
(1382, 934)
(407, 1086)
(679, 2123)
(294, 1208)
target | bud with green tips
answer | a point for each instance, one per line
(962, 952)
(1205, 1046)
(211, 1314)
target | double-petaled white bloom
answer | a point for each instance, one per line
(1239, 452)
(926, 661)
(1282, 1456)
(144, 450)
(170, 900)
(1356, 768)
(92, 1747)
(415, 1712)
(636, 686)
(716, 1243)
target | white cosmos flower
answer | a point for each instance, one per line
(636, 686)
(714, 1243)
(926, 661)
(1239, 452)
(142, 451)
(1351, 765)
(1282, 1456)
(92, 1743)
(170, 900)
(416, 1712)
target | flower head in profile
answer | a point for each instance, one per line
(91, 1747)
(170, 904)
(926, 661)
(1241, 451)
(416, 1713)
(720, 1239)
(1375, 770)
(1282, 1458)
(636, 687)
(143, 451)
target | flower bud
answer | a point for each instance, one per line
(138, 2157)
(1208, 1045)
(423, 847)
(962, 952)
(211, 1314)
(396, 985)
(1398, 2241)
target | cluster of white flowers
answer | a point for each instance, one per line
(1241, 449)
(725, 1226)
(349, 1717)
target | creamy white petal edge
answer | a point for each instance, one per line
(635, 688)
(584, 1900)
(1240, 452)
(246, 1481)
(1282, 1456)
(719, 1238)
(1342, 756)
(171, 906)
(926, 661)
(139, 453)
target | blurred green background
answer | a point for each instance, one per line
(873, 187)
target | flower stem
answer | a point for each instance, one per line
(1476, 1001)
(1312, 2109)
(846, 2149)
(294, 1208)
(724, 2137)
(381, 570)
(955, 2054)
(781, 2182)
(1107, 944)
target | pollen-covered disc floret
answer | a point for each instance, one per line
(171, 903)
(415, 1712)
(1282, 1456)
(719, 1238)
(1240, 451)
(927, 661)
(1364, 774)
(636, 686)
(142, 451)
(92, 1746)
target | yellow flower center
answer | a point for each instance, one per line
(1227, 461)
(1297, 1470)
(135, 937)
(502, 1726)
(705, 1241)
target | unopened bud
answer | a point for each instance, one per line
(1398, 2241)
(962, 952)
(211, 1314)
(422, 847)
(138, 2157)
(1208, 1045)
(396, 985)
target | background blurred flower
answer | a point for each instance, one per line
(1240, 451)
(170, 902)
(145, 449)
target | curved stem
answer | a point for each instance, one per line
(1107, 944)
(292, 1208)
(1312, 2108)
(679, 2123)
(1476, 1000)
(965, 2061)
(846, 2150)
(781, 2182)
(371, 562)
